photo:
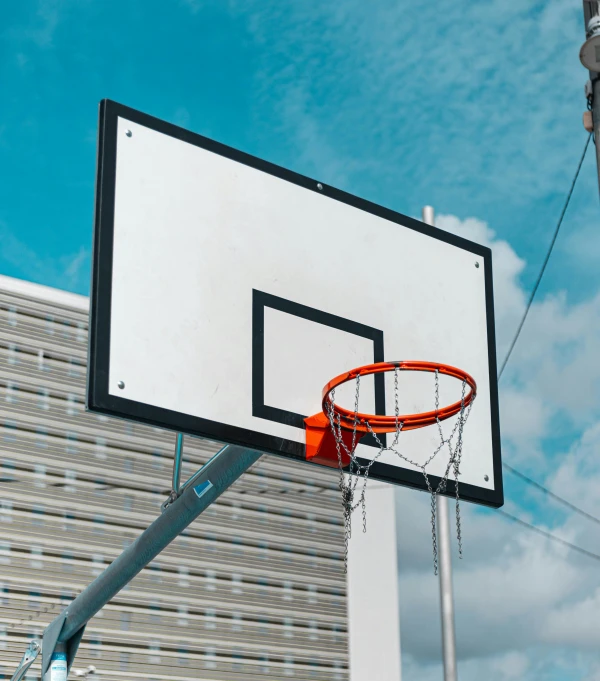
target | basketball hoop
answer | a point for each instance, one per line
(333, 434)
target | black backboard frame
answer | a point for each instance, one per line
(100, 400)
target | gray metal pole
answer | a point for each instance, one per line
(590, 9)
(446, 595)
(429, 215)
(205, 486)
(596, 120)
(445, 560)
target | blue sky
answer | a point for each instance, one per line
(473, 107)
(482, 119)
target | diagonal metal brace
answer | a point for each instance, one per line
(64, 633)
(29, 657)
(52, 642)
(196, 494)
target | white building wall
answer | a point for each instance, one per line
(373, 607)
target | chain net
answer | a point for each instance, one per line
(350, 477)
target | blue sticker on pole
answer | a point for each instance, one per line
(57, 670)
(203, 487)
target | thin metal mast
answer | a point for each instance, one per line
(445, 561)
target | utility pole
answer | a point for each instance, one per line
(445, 560)
(590, 58)
(446, 591)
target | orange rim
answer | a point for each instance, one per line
(387, 424)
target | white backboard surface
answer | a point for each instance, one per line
(228, 291)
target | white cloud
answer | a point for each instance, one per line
(70, 272)
(575, 624)
(594, 674)
(519, 598)
(511, 666)
(41, 27)
(193, 5)
(509, 297)
(314, 152)
(182, 117)
(525, 420)
(506, 667)
(580, 468)
(76, 267)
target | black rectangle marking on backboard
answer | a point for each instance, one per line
(260, 300)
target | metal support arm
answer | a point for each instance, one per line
(29, 657)
(196, 495)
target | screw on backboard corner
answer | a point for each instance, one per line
(128, 133)
(476, 264)
(121, 385)
(486, 478)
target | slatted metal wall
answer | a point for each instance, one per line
(254, 590)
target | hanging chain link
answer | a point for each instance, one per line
(350, 477)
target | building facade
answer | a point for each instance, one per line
(254, 590)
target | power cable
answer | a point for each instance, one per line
(523, 477)
(538, 530)
(547, 258)
(554, 496)
(543, 533)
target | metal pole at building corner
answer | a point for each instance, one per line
(445, 560)
(446, 591)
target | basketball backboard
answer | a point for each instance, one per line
(227, 292)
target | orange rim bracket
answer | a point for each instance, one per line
(321, 446)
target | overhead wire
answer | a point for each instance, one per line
(552, 495)
(547, 535)
(546, 259)
(532, 295)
